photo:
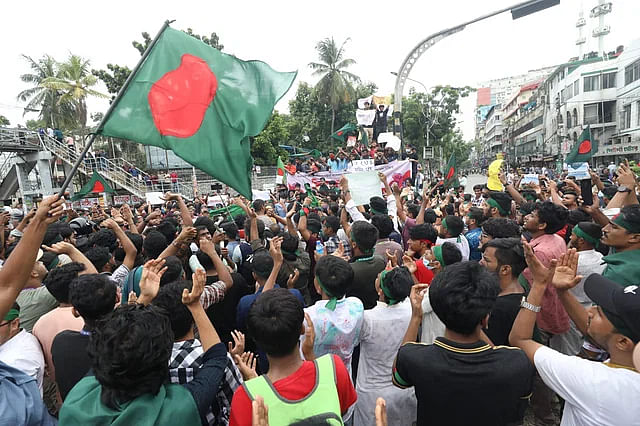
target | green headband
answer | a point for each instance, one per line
(620, 221)
(581, 234)
(494, 203)
(437, 253)
(333, 301)
(12, 314)
(374, 211)
(292, 253)
(444, 225)
(385, 290)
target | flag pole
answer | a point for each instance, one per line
(87, 146)
(225, 205)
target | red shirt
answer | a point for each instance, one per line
(423, 274)
(295, 387)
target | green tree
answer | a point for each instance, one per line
(46, 100)
(335, 87)
(265, 147)
(4, 121)
(74, 82)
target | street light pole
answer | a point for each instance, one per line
(517, 11)
(415, 81)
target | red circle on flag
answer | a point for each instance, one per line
(339, 133)
(450, 173)
(180, 98)
(585, 147)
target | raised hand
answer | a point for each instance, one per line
(187, 234)
(565, 276)
(237, 348)
(133, 298)
(309, 338)
(61, 247)
(274, 250)
(392, 257)
(49, 210)
(540, 273)
(416, 296)
(168, 196)
(247, 365)
(409, 263)
(191, 298)
(293, 278)
(152, 272)
(259, 412)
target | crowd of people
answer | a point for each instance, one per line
(444, 308)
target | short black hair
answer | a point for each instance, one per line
(609, 191)
(378, 204)
(64, 229)
(527, 207)
(364, 235)
(289, 246)
(335, 274)
(631, 214)
(174, 270)
(130, 350)
(58, 280)
(167, 229)
(398, 283)
(332, 222)
(430, 216)
(462, 295)
(169, 298)
(504, 201)
(136, 239)
(455, 225)
(99, 256)
(478, 186)
(104, 238)
(553, 215)
(314, 225)
(424, 231)
(275, 321)
(92, 296)
(500, 227)
(413, 209)
(258, 204)
(206, 222)
(578, 215)
(509, 252)
(52, 235)
(451, 253)
(383, 224)
(154, 244)
(230, 229)
(477, 214)
(247, 230)
(262, 264)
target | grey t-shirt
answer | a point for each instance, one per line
(34, 303)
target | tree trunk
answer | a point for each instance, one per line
(333, 119)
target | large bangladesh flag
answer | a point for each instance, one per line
(200, 103)
(584, 149)
(341, 133)
(451, 173)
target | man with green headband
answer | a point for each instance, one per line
(498, 204)
(622, 234)
(20, 349)
(337, 319)
(450, 231)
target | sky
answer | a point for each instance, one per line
(284, 33)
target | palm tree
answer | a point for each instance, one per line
(336, 85)
(74, 81)
(43, 99)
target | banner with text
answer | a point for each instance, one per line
(396, 171)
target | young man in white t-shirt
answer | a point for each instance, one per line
(594, 393)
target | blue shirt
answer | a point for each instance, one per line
(20, 400)
(473, 237)
(246, 302)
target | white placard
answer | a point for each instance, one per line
(365, 116)
(154, 198)
(260, 195)
(361, 101)
(579, 170)
(391, 140)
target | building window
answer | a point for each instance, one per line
(590, 114)
(626, 116)
(632, 72)
(598, 113)
(570, 91)
(576, 88)
(575, 117)
(569, 120)
(609, 80)
(592, 83)
(563, 95)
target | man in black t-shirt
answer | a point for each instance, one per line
(92, 297)
(366, 266)
(505, 258)
(460, 379)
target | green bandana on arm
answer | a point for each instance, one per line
(385, 289)
(333, 301)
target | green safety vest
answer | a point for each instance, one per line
(322, 403)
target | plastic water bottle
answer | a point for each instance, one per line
(319, 247)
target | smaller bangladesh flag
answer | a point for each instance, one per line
(202, 104)
(451, 173)
(342, 133)
(584, 149)
(96, 184)
(231, 211)
(281, 177)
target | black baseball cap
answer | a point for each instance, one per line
(621, 305)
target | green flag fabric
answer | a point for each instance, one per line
(363, 137)
(281, 173)
(232, 210)
(584, 148)
(96, 184)
(451, 173)
(342, 133)
(200, 103)
(310, 194)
